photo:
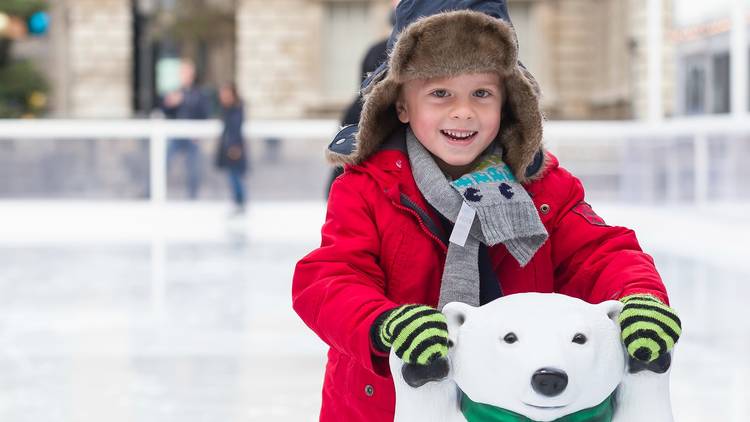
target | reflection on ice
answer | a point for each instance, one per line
(198, 325)
(82, 339)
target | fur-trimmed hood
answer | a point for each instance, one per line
(446, 44)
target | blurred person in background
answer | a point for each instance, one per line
(376, 55)
(231, 153)
(189, 102)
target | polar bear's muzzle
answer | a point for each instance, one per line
(549, 382)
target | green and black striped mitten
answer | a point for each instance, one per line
(418, 334)
(649, 327)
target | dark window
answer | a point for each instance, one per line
(695, 86)
(721, 97)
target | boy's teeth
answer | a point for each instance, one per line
(459, 134)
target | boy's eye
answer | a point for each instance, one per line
(482, 93)
(440, 93)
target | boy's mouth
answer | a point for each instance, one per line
(459, 135)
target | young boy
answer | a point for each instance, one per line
(449, 196)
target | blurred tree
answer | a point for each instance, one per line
(23, 89)
(22, 8)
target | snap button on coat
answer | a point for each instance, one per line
(544, 209)
(369, 390)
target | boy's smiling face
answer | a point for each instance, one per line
(455, 118)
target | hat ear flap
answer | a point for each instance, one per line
(521, 129)
(378, 119)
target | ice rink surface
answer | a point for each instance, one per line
(121, 311)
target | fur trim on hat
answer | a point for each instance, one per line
(445, 45)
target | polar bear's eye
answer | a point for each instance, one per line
(579, 338)
(510, 338)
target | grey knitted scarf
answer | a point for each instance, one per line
(504, 214)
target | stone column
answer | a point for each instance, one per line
(59, 78)
(573, 47)
(639, 35)
(278, 49)
(100, 58)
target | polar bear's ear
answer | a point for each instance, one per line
(456, 314)
(611, 308)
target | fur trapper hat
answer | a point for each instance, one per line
(446, 44)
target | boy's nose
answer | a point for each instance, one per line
(462, 112)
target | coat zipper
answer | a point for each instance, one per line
(417, 212)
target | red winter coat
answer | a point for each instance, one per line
(380, 249)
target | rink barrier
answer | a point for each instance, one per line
(696, 130)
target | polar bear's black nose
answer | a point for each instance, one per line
(549, 382)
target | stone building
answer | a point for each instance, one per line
(300, 58)
(702, 40)
(590, 56)
(88, 58)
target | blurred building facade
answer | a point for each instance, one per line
(300, 58)
(87, 57)
(589, 55)
(701, 37)
(297, 59)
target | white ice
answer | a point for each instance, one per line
(123, 311)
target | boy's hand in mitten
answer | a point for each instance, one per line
(649, 327)
(418, 334)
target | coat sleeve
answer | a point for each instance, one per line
(591, 259)
(338, 289)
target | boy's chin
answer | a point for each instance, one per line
(456, 167)
(458, 164)
(459, 160)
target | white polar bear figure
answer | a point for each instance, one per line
(542, 356)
